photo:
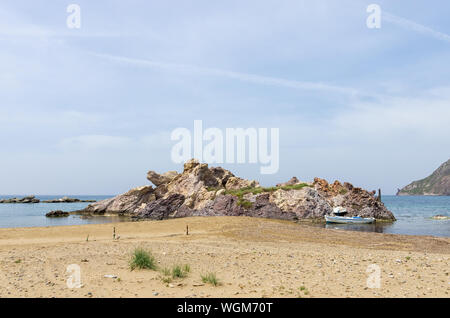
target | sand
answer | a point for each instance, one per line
(251, 258)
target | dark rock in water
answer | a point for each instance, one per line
(438, 183)
(66, 200)
(203, 191)
(57, 214)
(28, 199)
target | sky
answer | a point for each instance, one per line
(91, 110)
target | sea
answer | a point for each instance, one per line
(413, 213)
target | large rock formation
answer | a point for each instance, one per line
(203, 191)
(438, 183)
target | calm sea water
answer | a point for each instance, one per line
(27, 215)
(413, 215)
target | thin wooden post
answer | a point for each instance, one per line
(114, 233)
(187, 229)
(379, 195)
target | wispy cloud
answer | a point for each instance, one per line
(245, 77)
(95, 142)
(416, 27)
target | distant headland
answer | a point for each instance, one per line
(438, 183)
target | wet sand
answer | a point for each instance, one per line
(251, 258)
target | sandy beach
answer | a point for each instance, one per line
(251, 257)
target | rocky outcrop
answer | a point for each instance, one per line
(57, 214)
(235, 183)
(159, 179)
(126, 203)
(162, 208)
(438, 183)
(357, 201)
(203, 191)
(66, 200)
(28, 199)
(292, 181)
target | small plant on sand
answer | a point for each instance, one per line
(408, 258)
(142, 259)
(18, 261)
(210, 278)
(166, 280)
(304, 290)
(187, 268)
(165, 271)
(179, 271)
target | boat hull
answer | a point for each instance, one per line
(348, 220)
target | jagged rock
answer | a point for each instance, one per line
(194, 183)
(227, 205)
(306, 203)
(291, 181)
(191, 164)
(160, 179)
(57, 214)
(357, 201)
(161, 208)
(126, 203)
(235, 183)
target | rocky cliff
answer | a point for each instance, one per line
(203, 191)
(438, 183)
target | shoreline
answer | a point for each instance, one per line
(252, 257)
(129, 225)
(127, 219)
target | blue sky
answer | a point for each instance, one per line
(90, 110)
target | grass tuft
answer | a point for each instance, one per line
(179, 271)
(210, 278)
(142, 259)
(166, 280)
(166, 271)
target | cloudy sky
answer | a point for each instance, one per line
(90, 110)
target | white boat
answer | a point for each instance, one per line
(348, 220)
